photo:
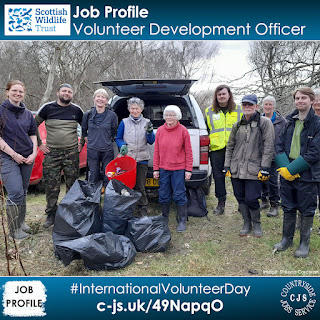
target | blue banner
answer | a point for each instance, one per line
(159, 297)
(165, 20)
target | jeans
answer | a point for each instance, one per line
(172, 185)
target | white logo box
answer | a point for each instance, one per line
(37, 20)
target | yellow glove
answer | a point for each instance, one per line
(226, 171)
(263, 175)
(228, 174)
(284, 172)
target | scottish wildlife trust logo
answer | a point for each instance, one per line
(19, 19)
(37, 20)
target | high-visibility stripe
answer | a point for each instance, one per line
(219, 125)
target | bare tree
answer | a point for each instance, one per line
(43, 65)
(283, 66)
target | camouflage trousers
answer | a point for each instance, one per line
(54, 162)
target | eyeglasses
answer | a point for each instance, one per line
(170, 116)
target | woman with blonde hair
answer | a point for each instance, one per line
(99, 127)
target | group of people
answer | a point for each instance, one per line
(250, 147)
(20, 139)
(253, 149)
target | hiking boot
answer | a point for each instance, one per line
(220, 208)
(305, 232)
(49, 221)
(182, 217)
(244, 209)
(264, 204)
(289, 224)
(273, 212)
(255, 218)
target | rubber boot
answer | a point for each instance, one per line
(14, 224)
(182, 216)
(247, 226)
(264, 204)
(255, 218)
(220, 208)
(22, 217)
(165, 211)
(273, 212)
(298, 223)
(305, 232)
(288, 229)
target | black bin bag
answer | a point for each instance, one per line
(196, 206)
(78, 213)
(119, 205)
(149, 234)
(99, 251)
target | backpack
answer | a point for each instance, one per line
(196, 206)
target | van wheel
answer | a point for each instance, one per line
(206, 186)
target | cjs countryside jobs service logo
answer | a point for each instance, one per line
(37, 20)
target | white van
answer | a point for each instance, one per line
(157, 94)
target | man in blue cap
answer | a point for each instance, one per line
(248, 158)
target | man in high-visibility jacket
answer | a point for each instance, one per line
(220, 117)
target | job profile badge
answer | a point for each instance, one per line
(37, 20)
(24, 299)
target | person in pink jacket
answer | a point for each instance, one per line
(172, 164)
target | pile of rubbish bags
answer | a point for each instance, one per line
(105, 239)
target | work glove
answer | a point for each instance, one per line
(124, 150)
(282, 160)
(149, 127)
(226, 171)
(264, 174)
(284, 173)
